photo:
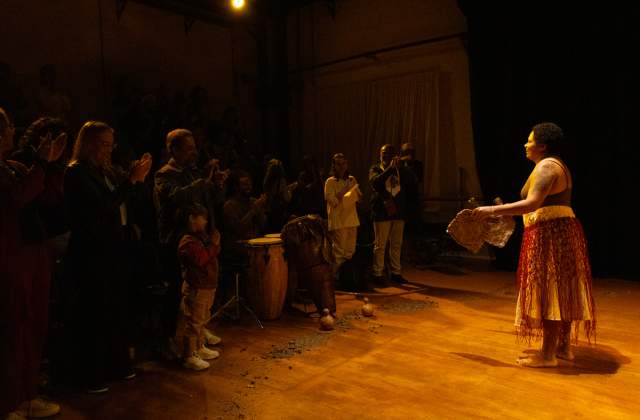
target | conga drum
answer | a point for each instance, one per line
(266, 286)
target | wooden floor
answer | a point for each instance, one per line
(445, 353)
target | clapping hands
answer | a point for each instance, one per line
(261, 202)
(140, 168)
(215, 174)
(215, 238)
(51, 149)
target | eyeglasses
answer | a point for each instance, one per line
(108, 145)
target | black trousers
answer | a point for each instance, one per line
(100, 325)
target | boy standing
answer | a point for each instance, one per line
(198, 251)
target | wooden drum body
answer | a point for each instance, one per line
(267, 275)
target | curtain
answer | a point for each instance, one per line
(358, 118)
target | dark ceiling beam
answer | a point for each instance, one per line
(217, 12)
(212, 15)
(371, 55)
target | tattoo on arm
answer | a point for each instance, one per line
(544, 179)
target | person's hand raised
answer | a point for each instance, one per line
(343, 191)
(396, 162)
(215, 237)
(220, 177)
(358, 192)
(140, 168)
(213, 166)
(51, 149)
(261, 202)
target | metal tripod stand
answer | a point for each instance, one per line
(237, 301)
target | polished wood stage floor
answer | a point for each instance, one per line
(446, 352)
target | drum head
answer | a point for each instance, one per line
(264, 241)
(272, 235)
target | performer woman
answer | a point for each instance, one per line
(554, 274)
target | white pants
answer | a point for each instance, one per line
(387, 231)
(344, 244)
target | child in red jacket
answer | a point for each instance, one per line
(198, 253)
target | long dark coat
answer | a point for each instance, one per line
(25, 279)
(98, 271)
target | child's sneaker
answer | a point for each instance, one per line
(208, 354)
(38, 408)
(14, 415)
(194, 362)
(98, 388)
(211, 338)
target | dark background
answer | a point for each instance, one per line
(529, 62)
(575, 67)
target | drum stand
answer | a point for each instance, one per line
(238, 301)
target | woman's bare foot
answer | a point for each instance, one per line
(537, 361)
(565, 354)
(528, 353)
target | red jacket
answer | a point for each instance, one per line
(199, 261)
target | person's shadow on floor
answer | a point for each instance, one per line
(589, 359)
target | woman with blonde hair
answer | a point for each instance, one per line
(98, 199)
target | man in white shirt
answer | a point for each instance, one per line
(341, 192)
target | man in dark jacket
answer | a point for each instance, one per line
(391, 182)
(179, 185)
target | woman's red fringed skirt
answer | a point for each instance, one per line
(554, 274)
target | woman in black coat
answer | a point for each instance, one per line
(97, 199)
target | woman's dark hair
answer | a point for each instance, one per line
(550, 135)
(40, 128)
(196, 209)
(333, 172)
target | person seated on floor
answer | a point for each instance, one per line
(198, 254)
